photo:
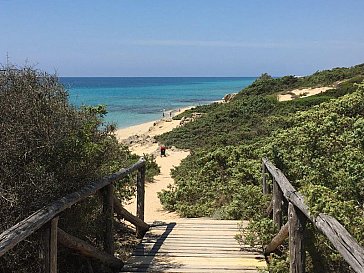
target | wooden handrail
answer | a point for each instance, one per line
(344, 243)
(17, 233)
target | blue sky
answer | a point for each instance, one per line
(182, 38)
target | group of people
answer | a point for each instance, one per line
(170, 112)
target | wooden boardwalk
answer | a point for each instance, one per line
(193, 245)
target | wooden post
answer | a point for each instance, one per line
(140, 198)
(108, 212)
(296, 221)
(277, 204)
(49, 246)
(264, 178)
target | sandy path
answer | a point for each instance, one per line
(153, 207)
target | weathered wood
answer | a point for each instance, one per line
(277, 204)
(88, 250)
(277, 240)
(296, 221)
(121, 212)
(48, 251)
(53, 245)
(140, 198)
(346, 245)
(269, 210)
(288, 190)
(264, 178)
(44, 250)
(108, 214)
(20, 231)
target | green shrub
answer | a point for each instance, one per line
(49, 149)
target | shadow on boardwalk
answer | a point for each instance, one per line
(146, 258)
(193, 245)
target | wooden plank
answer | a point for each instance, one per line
(296, 222)
(212, 251)
(206, 228)
(203, 220)
(192, 240)
(190, 237)
(171, 247)
(88, 250)
(20, 231)
(195, 269)
(210, 262)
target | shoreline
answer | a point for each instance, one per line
(174, 112)
(140, 140)
(141, 136)
(158, 126)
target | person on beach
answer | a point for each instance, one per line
(163, 151)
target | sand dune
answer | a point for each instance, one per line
(301, 93)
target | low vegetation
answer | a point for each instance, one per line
(317, 141)
(49, 149)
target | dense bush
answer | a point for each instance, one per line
(48, 149)
(204, 184)
(225, 124)
(322, 154)
(317, 141)
(266, 85)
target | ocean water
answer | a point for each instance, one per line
(135, 100)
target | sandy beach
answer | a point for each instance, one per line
(140, 139)
(301, 93)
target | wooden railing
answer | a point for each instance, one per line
(46, 220)
(284, 194)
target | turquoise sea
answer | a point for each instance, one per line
(135, 100)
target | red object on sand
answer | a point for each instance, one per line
(163, 151)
